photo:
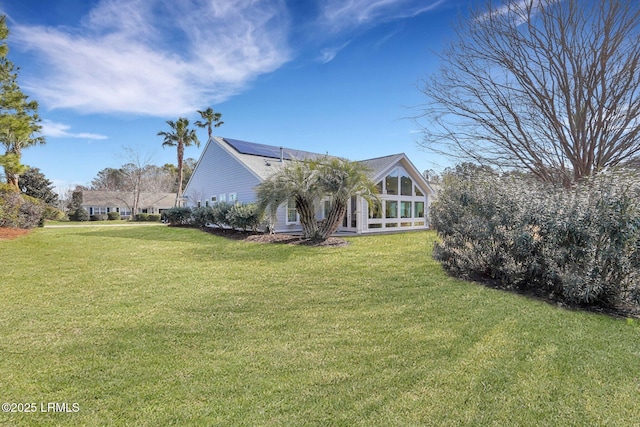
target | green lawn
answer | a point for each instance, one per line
(167, 326)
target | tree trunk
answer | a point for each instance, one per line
(332, 222)
(180, 159)
(12, 180)
(307, 218)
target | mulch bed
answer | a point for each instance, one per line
(288, 239)
(12, 233)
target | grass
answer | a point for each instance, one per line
(170, 326)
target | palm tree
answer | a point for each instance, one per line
(296, 181)
(180, 136)
(210, 118)
(309, 181)
(341, 179)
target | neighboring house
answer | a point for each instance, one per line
(229, 171)
(103, 202)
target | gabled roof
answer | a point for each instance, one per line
(121, 198)
(263, 160)
(379, 164)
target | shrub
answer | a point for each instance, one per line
(202, 216)
(154, 217)
(113, 216)
(219, 214)
(579, 246)
(141, 217)
(80, 214)
(20, 211)
(244, 216)
(178, 215)
(98, 217)
(53, 213)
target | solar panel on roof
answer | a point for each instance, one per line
(263, 150)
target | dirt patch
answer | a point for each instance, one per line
(12, 233)
(288, 239)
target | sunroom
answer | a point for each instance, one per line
(403, 202)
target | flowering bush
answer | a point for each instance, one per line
(579, 246)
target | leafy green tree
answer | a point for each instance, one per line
(75, 202)
(209, 119)
(180, 137)
(33, 183)
(188, 166)
(19, 121)
(307, 183)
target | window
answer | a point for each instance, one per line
(214, 199)
(379, 187)
(199, 203)
(406, 185)
(405, 209)
(222, 198)
(375, 225)
(206, 203)
(233, 197)
(391, 209)
(418, 210)
(375, 210)
(292, 214)
(391, 182)
(418, 192)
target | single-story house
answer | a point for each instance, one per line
(103, 202)
(229, 171)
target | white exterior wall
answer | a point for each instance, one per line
(219, 173)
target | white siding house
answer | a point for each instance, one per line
(229, 170)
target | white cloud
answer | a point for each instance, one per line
(340, 15)
(327, 54)
(60, 130)
(344, 17)
(156, 57)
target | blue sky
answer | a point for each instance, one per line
(336, 76)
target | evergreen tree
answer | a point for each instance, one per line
(19, 121)
(33, 183)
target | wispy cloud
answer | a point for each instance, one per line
(340, 15)
(327, 54)
(518, 11)
(156, 57)
(344, 18)
(60, 130)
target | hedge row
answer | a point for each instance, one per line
(579, 246)
(223, 215)
(146, 217)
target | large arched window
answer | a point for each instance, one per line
(391, 182)
(403, 202)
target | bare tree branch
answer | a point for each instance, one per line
(543, 85)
